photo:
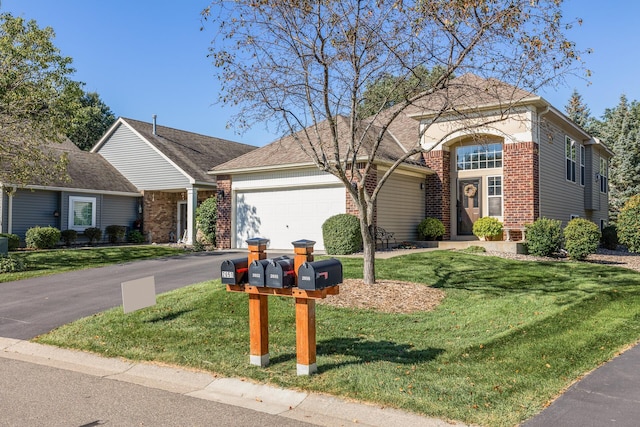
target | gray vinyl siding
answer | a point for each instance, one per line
(140, 163)
(401, 206)
(591, 199)
(34, 208)
(559, 198)
(119, 210)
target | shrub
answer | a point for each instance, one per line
(69, 236)
(609, 238)
(135, 237)
(544, 237)
(430, 229)
(629, 224)
(115, 233)
(474, 249)
(93, 234)
(9, 264)
(581, 238)
(341, 234)
(207, 217)
(487, 227)
(42, 237)
(14, 240)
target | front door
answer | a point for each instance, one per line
(469, 208)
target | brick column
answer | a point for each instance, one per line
(223, 225)
(438, 193)
(521, 187)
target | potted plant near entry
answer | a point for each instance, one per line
(488, 228)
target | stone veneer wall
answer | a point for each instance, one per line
(223, 226)
(438, 197)
(521, 187)
(160, 213)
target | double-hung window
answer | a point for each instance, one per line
(570, 156)
(604, 175)
(582, 165)
(494, 187)
(82, 212)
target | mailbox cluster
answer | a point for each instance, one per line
(280, 273)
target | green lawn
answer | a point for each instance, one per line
(508, 337)
(42, 263)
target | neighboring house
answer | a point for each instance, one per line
(531, 162)
(94, 195)
(169, 167)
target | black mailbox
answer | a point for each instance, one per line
(320, 274)
(257, 271)
(280, 273)
(234, 271)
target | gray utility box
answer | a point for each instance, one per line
(280, 274)
(234, 271)
(257, 270)
(4, 246)
(320, 274)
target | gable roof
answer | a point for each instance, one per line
(86, 171)
(288, 151)
(193, 153)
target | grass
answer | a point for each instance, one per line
(508, 337)
(42, 263)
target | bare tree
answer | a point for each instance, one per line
(305, 66)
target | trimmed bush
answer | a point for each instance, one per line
(135, 237)
(69, 236)
(581, 238)
(629, 224)
(14, 240)
(93, 234)
(341, 234)
(609, 238)
(430, 229)
(9, 264)
(115, 233)
(207, 218)
(42, 237)
(544, 237)
(487, 227)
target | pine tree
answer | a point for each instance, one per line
(578, 111)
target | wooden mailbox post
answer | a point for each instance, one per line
(305, 309)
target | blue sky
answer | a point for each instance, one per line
(150, 57)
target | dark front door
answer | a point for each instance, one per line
(468, 204)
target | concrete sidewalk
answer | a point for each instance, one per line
(292, 405)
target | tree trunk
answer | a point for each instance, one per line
(369, 257)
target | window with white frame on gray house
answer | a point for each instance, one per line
(494, 197)
(82, 212)
(487, 156)
(604, 175)
(570, 156)
(582, 164)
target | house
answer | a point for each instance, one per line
(169, 168)
(94, 195)
(493, 150)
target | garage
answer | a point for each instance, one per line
(286, 215)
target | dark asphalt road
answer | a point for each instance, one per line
(35, 306)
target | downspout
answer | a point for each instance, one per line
(1, 209)
(545, 111)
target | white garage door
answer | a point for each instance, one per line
(283, 216)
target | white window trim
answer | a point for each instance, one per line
(583, 163)
(573, 159)
(72, 200)
(604, 177)
(501, 196)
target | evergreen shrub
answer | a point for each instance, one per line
(207, 218)
(69, 236)
(430, 229)
(135, 236)
(487, 227)
(115, 233)
(609, 238)
(581, 238)
(341, 234)
(42, 237)
(544, 237)
(628, 224)
(9, 264)
(93, 234)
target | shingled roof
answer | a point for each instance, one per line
(193, 153)
(288, 151)
(86, 171)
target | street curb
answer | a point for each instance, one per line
(307, 407)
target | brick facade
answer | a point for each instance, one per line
(370, 185)
(160, 214)
(521, 192)
(438, 197)
(223, 227)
